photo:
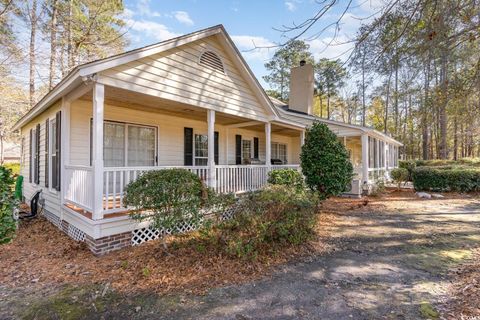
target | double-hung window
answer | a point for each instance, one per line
(129, 145)
(279, 151)
(246, 151)
(201, 149)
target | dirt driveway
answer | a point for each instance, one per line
(391, 263)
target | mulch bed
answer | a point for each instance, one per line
(41, 255)
(464, 294)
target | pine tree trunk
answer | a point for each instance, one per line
(33, 32)
(53, 45)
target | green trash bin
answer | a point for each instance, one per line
(19, 188)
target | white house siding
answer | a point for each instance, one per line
(52, 197)
(170, 134)
(176, 75)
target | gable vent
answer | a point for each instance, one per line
(210, 59)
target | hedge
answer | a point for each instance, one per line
(464, 162)
(446, 179)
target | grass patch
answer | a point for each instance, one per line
(428, 311)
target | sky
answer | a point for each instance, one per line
(250, 23)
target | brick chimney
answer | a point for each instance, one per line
(301, 88)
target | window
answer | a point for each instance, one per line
(127, 144)
(279, 151)
(246, 151)
(211, 60)
(51, 150)
(54, 153)
(201, 150)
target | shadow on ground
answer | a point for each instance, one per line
(389, 265)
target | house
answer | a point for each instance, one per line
(155, 108)
(10, 152)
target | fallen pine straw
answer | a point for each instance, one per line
(464, 293)
(42, 255)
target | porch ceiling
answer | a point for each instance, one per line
(133, 100)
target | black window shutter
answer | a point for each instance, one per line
(188, 146)
(58, 150)
(255, 147)
(47, 133)
(215, 146)
(37, 154)
(30, 161)
(238, 149)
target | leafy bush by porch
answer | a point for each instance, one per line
(325, 162)
(399, 176)
(266, 221)
(286, 177)
(7, 206)
(446, 179)
(171, 197)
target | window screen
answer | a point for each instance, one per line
(201, 150)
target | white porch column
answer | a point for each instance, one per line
(268, 145)
(364, 158)
(97, 150)
(64, 149)
(377, 154)
(302, 138)
(211, 150)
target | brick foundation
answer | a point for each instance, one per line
(108, 244)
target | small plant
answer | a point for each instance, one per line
(410, 166)
(399, 176)
(286, 177)
(8, 205)
(325, 162)
(146, 272)
(378, 188)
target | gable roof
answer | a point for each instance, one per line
(80, 73)
(284, 110)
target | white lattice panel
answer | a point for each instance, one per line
(53, 219)
(75, 233)
(140, 236)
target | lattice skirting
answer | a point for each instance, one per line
(140, 236)
(75, 233)
(55, 220)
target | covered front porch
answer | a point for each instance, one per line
(115, 135)
(372, 157)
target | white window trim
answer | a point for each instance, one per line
(277, 155)
(251, 149)
(126, 124)
(51, 136)
(33, 148)
(195, 148)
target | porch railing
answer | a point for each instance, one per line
(229, 179)
(79, 186)
(115, 180)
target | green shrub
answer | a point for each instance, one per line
(399, 176)
(15, 167)
(446, 179)
(409, 165)
(265, 221)
(167, 198)
(467, 162)
(8, 205)
(325, 162)
(286, 177)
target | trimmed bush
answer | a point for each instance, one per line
(266, 221)
(8, 205)
(446, 179)
(286, 177)
(325, 162)
(166, 197)
(409, 165)
(399, 176)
